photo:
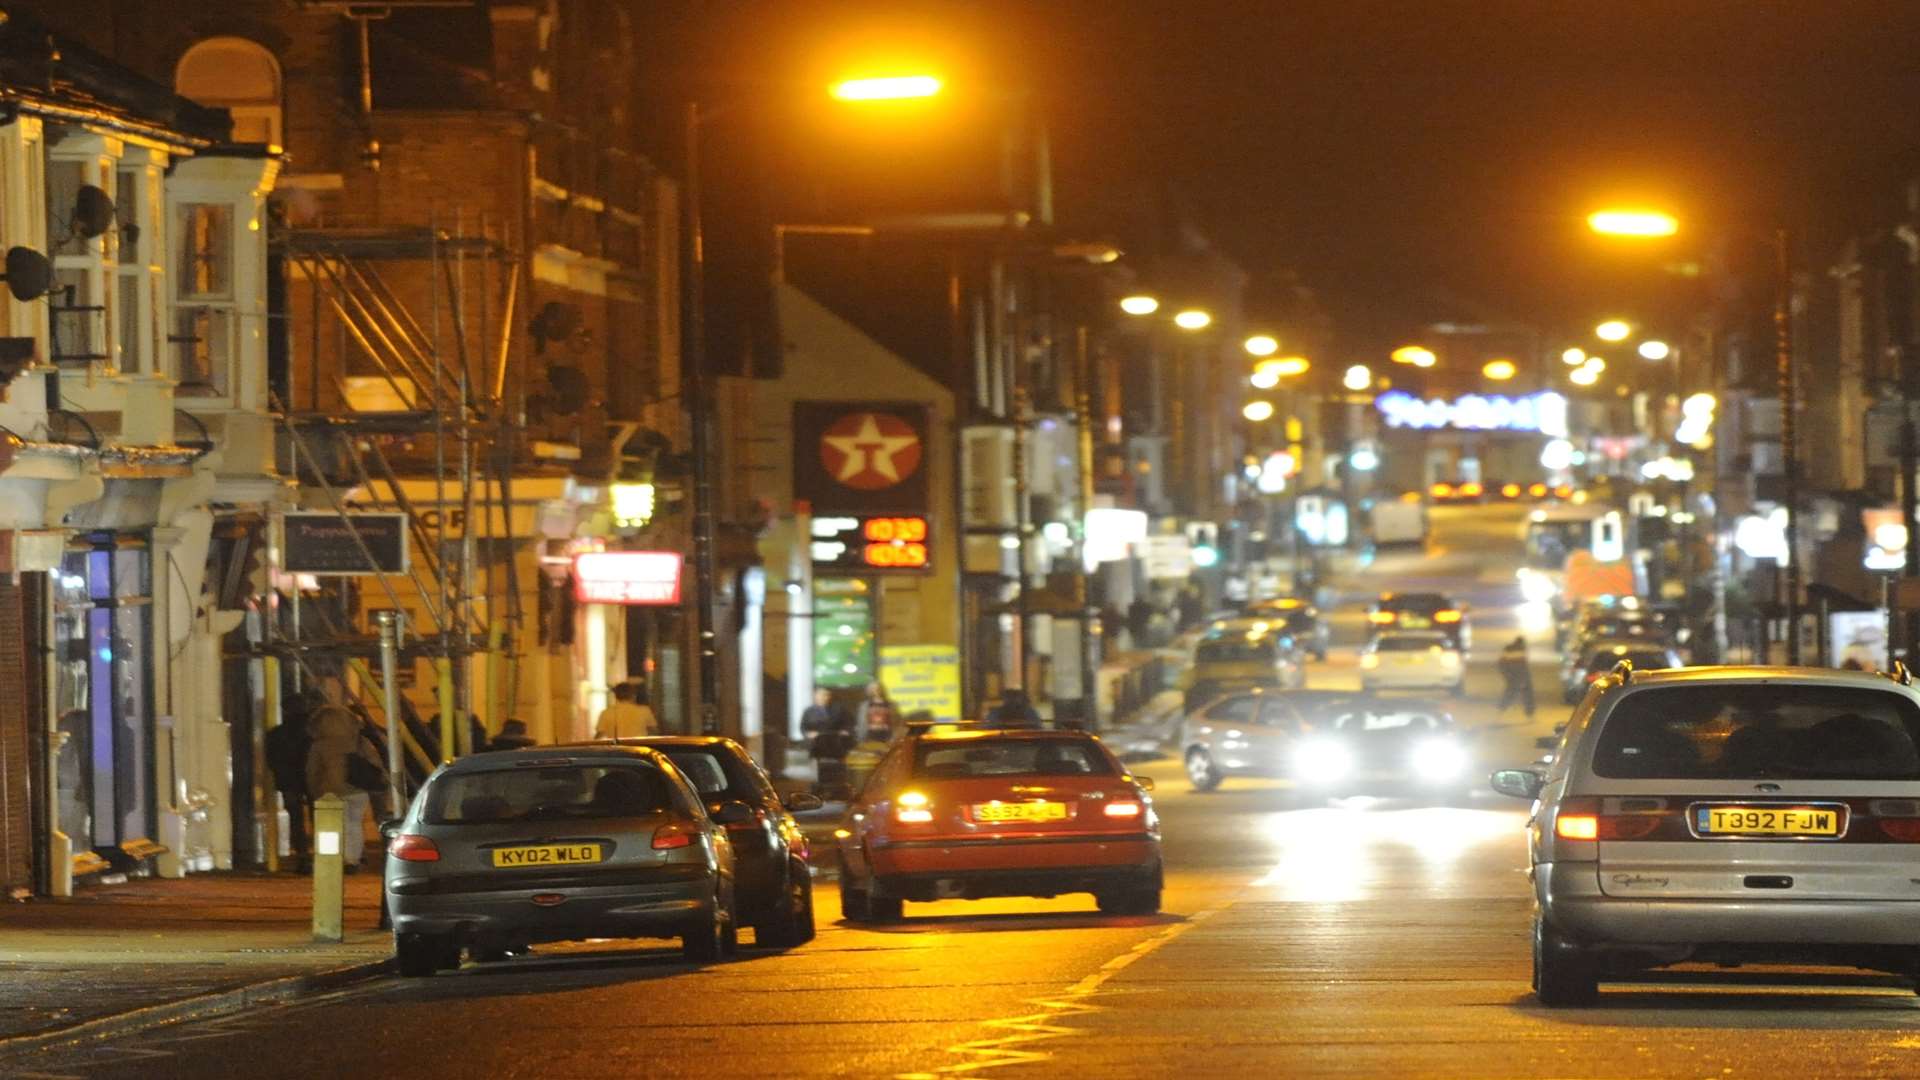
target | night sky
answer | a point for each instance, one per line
(1410, 161)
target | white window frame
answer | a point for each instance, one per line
(99, 157)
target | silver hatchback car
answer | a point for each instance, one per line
(1726, 815)
(507, 849)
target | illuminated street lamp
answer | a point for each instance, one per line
(1613, 330)
(1264, 377)
(1139, 304)
(1595, 364)
(1289, 366)
(1583, 376)
(1655, 350)
(1574, 357)
(1193, 319)
(886, 88)
(1258, 411)
(1262, 345)
(1499, 370)
(1625, 222)
(1358, 377)
(1418, 356)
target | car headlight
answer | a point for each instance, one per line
(1322, 760)
(1536, 588)
(1439, 759)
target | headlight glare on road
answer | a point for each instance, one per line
(1439, 759)
(1536, 588)
(1322, 760)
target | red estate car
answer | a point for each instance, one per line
(958, 812)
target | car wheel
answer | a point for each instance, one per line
(1561, 975)
(854, 901)
(418, 955)
(730, 933)
(886, 909)
(1200, 771)
(703, 941)
(793, 923)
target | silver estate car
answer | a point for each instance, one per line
(508, 849)
(1726, 815)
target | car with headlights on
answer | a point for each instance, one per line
(1384, 746)
(772, 884)
(965, 812)
(1437, 612)
(1593, 660)
(1413, 660)
(512, 848)
(1728, 816)
(1252, 733)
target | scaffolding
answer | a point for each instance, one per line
(407, 408)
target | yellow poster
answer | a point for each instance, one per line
(922, 678)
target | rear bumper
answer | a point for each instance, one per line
(1570, 899)
(1015, 867)
(664, 909)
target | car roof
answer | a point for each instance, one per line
(965, 733)
(667, 742)
(572, 754)
(1758, 673)
(1415, 598)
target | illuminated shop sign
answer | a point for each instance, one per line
(627, 577)
(860, 544)
(1544, 412)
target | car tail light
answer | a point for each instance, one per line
(1904, 829)
(676, 835)
(1123, 809)
(1538, 491)
(912, 808)
(1447, 616)
(1471, 489)
(1580, 819)
(412, 847)
(1441, 491)
(1510, 491)
(1577, 826)
(1380, 617)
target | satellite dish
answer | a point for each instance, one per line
(570, 389)
(93, 212)
(29, 273)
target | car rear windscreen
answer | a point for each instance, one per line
(1408, 644)
(1236, 650)
(1009, 757)
(1760, 731)
(548, 793)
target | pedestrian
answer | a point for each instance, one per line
(832, 739)
(1189, 604)
(629, 717)
(513, 736)
(875, 720)
(286, 747)
(341, 762)
(1014, 710)
(1517, 675)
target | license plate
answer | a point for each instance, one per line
(546, 855)
(1020, 811)
(1766, 821)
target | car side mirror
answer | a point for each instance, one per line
(390, 828)
(802, 801)
(732, 813)
(1145, 783)
(1518, 783)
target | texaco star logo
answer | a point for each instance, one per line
(869, 451)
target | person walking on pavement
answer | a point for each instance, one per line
(336, 739)
(1517, 675)
(286, 747)
(629, 717)
(832, 738)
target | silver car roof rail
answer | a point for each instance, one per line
(1624, 672)
(1899, 674)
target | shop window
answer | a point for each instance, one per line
(843, 626)
(239, 76)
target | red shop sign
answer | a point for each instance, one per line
(627, 577)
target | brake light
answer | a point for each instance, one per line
(1577, 827)
(668, 837)
(1441, 491)
(1538, 491)
(1511, 491)
(1380, 617)
(1448, 616)
(1579, 820)
(912, 808)
(1471, 488)
(412, 847)
(1123, 809)
(1563, 491)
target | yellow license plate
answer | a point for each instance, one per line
(546, 855)
(1020, 811)
(1767, 821)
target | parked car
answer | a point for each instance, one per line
(772, 884)
(513, 848)
(1729, 816)
(1593, 660)
(1413, 660)
(958, 812)
(1297, 617)
(1420, 611)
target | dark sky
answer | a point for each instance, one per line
(1413, 160)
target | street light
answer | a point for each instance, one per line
(1139, 304)
(1583, 376)
(1625, 222)
(1417, 355)
(1613, 330)
(1265, 377)
(1655, 350)
(886, 88)
(1289, 366)
(1193, 319)
(1594, 364)
(1262, 345)
(1574, 357)
(1358, 377)
(1499, 370)
(1258, 411)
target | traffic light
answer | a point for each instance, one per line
(1204, 539)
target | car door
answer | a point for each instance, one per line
(1275, 734)
(1226, 730)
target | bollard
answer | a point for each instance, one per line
(329, 884)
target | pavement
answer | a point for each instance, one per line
(153, 951)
